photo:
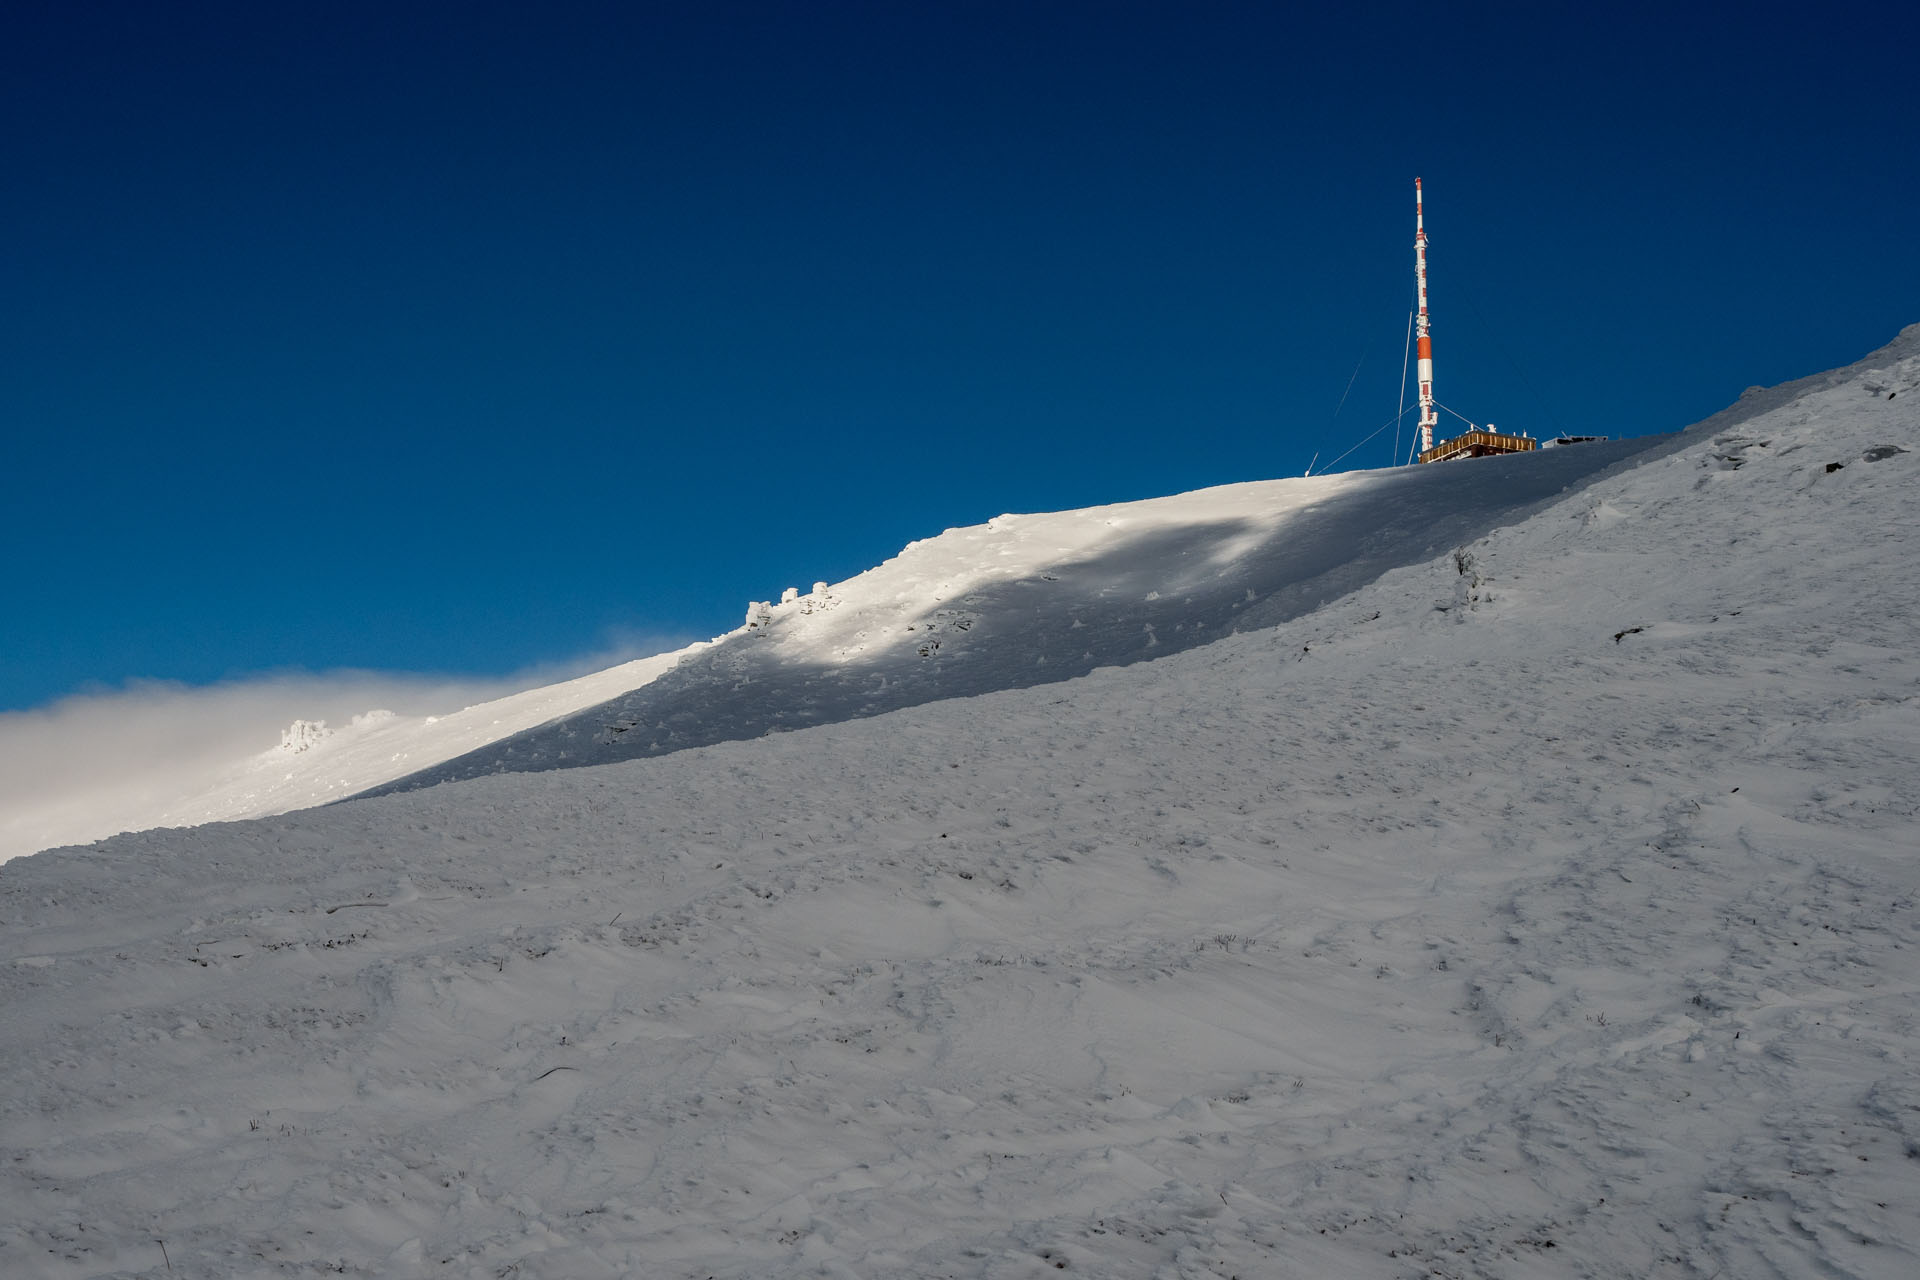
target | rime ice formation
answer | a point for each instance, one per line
(302, 735)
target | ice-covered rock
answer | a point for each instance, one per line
(303, 735)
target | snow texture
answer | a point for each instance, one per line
(316, 763)
(1541, 906)
(1027, 600)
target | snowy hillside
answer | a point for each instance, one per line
(1021, 600)
(316, 760)
(315, 764)
(1027, 600)
(1545, 906)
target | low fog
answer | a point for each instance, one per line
(86, 766)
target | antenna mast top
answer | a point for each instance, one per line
(1476, 441)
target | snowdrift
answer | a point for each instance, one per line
(1543, 906)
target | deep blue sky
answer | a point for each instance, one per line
(460, 337)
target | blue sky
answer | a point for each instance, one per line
(466, 338)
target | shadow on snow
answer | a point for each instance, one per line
(1157, 594)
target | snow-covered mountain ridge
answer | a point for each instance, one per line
(1021, 600)
(379, 746)
(1546, 906)
(1027, 600)
(316, 761)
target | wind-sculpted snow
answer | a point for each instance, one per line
(175, 757)
(1546, 907)
(1028, 600)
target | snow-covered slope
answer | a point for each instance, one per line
(315, 762)
(1544, 907)
(1019, 601)
(1026, 600)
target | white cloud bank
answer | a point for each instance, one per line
(94, 764)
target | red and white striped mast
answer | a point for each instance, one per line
(1428, 418)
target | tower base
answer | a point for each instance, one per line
(1478, 444)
